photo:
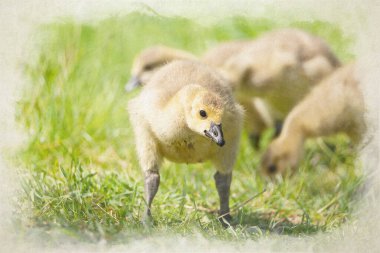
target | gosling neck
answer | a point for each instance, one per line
(175, 111)
(293, 133)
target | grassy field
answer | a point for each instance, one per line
(80, 174)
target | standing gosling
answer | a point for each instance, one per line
(150, 60)
(281, 67)
(335, 105)
(179, 115)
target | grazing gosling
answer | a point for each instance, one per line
(179, 116)
(335, 105)
(280, 66)
(150, 60)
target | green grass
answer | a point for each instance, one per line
(80, 174)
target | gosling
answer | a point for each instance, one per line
(150, 60)
(280, 67)
(179, 116)
(335, 105)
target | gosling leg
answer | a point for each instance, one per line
(152, 182)
(149, 160)
(257, 120)
(223, 184)
(278, 128)
(254, 139)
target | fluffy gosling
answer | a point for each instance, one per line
(179, 116)
(335, 105)
(150, 60)
(281, 67)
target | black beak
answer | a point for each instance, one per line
(133, 83)
(216, 134)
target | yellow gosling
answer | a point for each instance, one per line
(335, 105)
(186, 114)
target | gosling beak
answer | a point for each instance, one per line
(215, 133)
(133, 83)
(272, 169)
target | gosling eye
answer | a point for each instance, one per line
(203, 113)
(149, 67)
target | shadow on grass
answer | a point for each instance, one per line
(272, 223)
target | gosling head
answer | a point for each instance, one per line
(150, 60)
(144, 66)
(204, 115)
(280, 158)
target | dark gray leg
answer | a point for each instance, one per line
(277, 127)
(152, 182)
(255, 140)
(223, 183)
